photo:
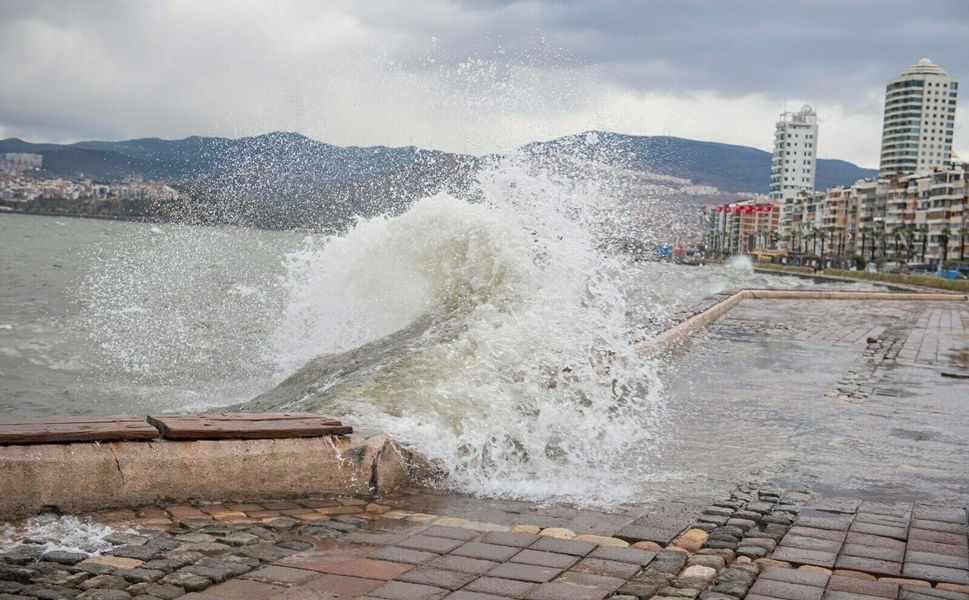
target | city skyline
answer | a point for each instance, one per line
(471, 77)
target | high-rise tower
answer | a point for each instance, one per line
(793, 165)
(920, 114)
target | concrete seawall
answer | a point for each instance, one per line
(671, 336)
(90, 476)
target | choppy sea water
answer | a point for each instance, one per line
(494, 336)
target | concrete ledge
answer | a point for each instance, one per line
(669, 337)
(89, 476)
(905, 287)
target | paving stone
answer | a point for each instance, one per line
(245, 589)
(935, 573)
(523, 572)
(836, 505)
(796, 576)
(341, 586)
(745, 524)
(559, 590)
(898, 533)
(752, 551)
(937, 537)
(145, 552)
(65, 558)
(738, 576)
(861, 586)
(865, 539)
(937, 560)
(279, 575)
(403, 555)
(509, 588)
(193, 582)
(869, 565)
(811, 543)
(112, 582)
(609, 568)
(463, 564)
(813, 532)
(544, 559)
(641, 589)
(636, 532)
(263, 552)
(453, 533)
(948, 549)
(629, 555)
(786, 591)
(707, 560)
(949, 514)
(507, 538)
(587, 579)
(679, 592)
(942, 526)
(440, 578)
(886, 508)
(920, 593)
(427, 543)
(876, 552)
(485, 551)
(371, 569)
(805, 557)
(140, 575)
(401, 590)
(100, 594)
(889, 520)
(463, 595)
(824, 521)
(839, 595)
(547, 544)
(158, 590)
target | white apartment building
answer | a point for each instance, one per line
(920, 114)
(794, 163)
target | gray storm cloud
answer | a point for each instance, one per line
(473, 76)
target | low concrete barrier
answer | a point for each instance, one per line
(89, 476)
(669, 337)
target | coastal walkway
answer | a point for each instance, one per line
(758, 543)
(844, 419)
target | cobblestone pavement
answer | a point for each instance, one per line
(759, 543)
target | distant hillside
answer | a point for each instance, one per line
(286, 180)
(267, 157)
(727, 167)
(295, 161)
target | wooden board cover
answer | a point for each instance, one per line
(62, 430)
(246, 426)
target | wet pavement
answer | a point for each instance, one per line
(851, 447)
(829, 395)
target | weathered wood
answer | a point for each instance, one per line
(63, 430)
(246, 426)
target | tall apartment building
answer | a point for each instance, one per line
(920, 114)
(793, 165)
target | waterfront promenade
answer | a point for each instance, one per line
(815, 450)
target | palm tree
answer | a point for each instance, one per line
(924, 231)
(824, 235)
(944, 237)
(864, 231)
(962, 243)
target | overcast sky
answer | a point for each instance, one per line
(474, 76)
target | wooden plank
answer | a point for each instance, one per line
(79, 419)
(98, 429)
(248, 426)
(255, 417)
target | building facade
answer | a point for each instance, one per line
(920, 113)
(794, 160)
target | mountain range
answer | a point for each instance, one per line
(306, 163)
